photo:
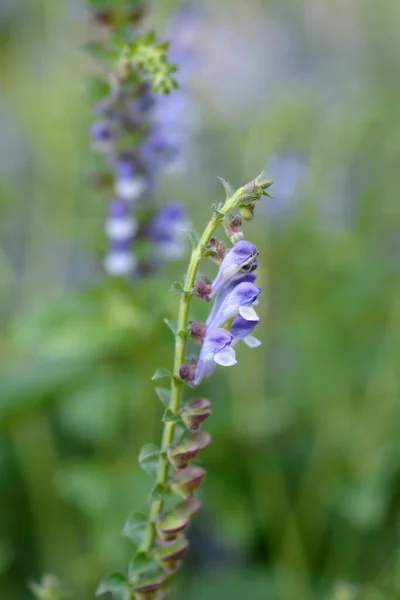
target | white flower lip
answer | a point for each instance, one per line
(248, 313)
(251, 341)
(226, 358)
(120, 263)
(130, 189)
(121, 228)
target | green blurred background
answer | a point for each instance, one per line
(302, 493)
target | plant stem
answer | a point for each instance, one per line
(179, 359)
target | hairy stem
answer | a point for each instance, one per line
(179, 358)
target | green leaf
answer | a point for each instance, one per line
(164, 395)
(135, 527)
(160, 374)
(149, 38)
(158, 492)
(215, 209)
(113, 583)
(184, 334)
(172, 325)
(177, 288)
(194, 238)
(148, 458)
(122, 594)
(141, 563)
(170, 417)
(229, 189)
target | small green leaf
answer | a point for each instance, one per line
(122, 594)
(184, 334)
(141, 563)
(172, 325)
(158, 492)
(229, 189)
(150, 37)
(180, 431)
(205, 251)
(164, 395)
(113, 583)
(160, 374)
(148, 458)
(215, 209)
(170, 417)
(135, 527)
(194, 238)
(177, 288)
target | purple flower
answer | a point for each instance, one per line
(102, 135)
(238, 301)
(241, 329)
(120, 225)
(129, 184)
(168, 230)
(161, 146)
(226, 290)
(240, 259)
(215, 350)
(141, 105)
(120, 259)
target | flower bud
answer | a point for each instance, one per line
(148, 584)
(169, 526)
(202, 289)
(169, 555)
(186, 373)
(195, 412)
(247, 211)
(197, 331)
(218, 250)
(180, 454)
(185, 481)
(233, 229)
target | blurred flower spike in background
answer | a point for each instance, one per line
(140, 131)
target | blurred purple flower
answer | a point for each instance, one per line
(120, 224)
(159, 124)
(168, 231)
(130, 184)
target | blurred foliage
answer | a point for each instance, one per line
(303, 477)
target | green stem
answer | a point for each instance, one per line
(180, 347)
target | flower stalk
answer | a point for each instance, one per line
(233, 202)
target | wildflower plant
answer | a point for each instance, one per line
(160, 536)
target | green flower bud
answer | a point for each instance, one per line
(186, 481)
(195, 412)
(169, 555)
(180, 454)
(148, 584)
(247, 211)
(169, 526)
